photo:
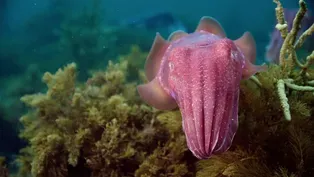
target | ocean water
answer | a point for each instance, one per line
(43, 35)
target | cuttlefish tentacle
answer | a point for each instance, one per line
(228, 128)
(210, 25)
(247, 45)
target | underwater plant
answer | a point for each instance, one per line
(3, 169)
(288, 59)
(276, 41)
(100, 128)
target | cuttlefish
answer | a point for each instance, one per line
(200, 73)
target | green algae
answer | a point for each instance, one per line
(95, 129)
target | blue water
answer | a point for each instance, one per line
(31, 31)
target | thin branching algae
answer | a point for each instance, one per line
(288, 58)
(96, 129)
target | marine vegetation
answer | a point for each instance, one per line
(276, 41)
(3, 169)
(102, 128)
(99, 129)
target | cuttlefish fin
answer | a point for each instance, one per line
(211, 25)
(247, 45)
(177, 35)
(154, 95)
(154, 57)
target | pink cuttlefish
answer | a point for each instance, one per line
(200, 72)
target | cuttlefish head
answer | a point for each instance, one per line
(156, 95)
